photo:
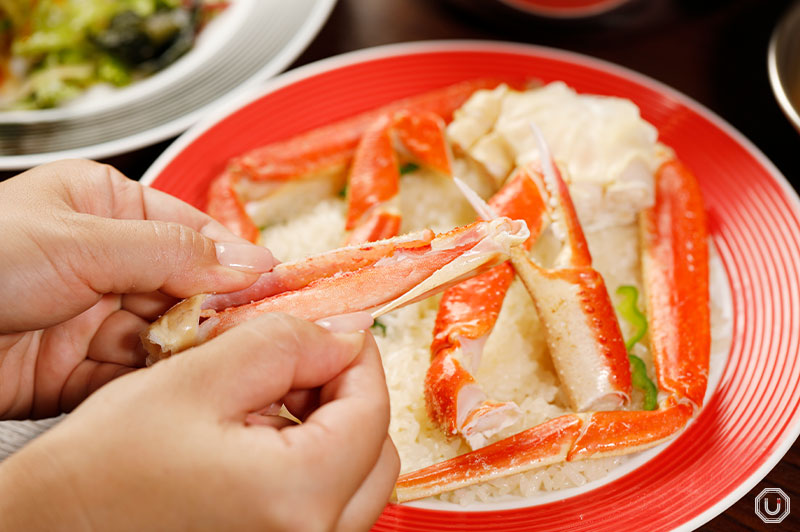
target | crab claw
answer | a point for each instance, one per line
(581, 328)
(467, 314)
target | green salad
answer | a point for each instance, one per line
(53, 50)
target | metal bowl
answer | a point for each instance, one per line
(783, 62)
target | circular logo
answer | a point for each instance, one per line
(772, 505)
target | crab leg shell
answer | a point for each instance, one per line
(324, 152)
(379, 224)
(624, 432)
(343, 293)
(542, 445)
(337, 142)
(374, 177)
(407, 274)
(567, 438)
(288, 276)
(675, 270)
(227, 208)
(581, 328)
(582, 333)
(467, 314)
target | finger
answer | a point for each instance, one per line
(276, 422)
(117, 340)
(85, 379)
(354, 415)
(366, 505)
(102, 190)
(61, 349)
(132, 200)
(123, 256)
(158, 205)
(148, 306)
(300, 403)
(256, 363)
(136, 239)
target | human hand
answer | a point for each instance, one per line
(176, 446)
(78, 238)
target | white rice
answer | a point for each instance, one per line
(515, 365)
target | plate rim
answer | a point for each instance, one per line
(304, 35)
(776, 81)
(566, 13)
(470, 45)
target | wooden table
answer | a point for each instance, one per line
(712, 50)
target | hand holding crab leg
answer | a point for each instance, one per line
(406, 273)
(289, 276)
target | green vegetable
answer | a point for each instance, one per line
(627, 307)
(408, 168)
(116, 41)
(630, 312)
(15, 10)
(378, 325)
(113, 71)
(640, 380)
(47, 88)
(150, 41)
(343, 192)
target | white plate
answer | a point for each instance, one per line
(251, 41)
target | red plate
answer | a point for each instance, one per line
(748, 422)
(565, 8)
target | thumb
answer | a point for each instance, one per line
(146, 255)
(257, 363)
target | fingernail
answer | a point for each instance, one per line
(244, 257)
(345, 323)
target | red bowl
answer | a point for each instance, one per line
(749, 421)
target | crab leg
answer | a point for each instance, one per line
(375, 173)
(571, 299)
(675, 272)
(467, 314)
(563, 439)
(288, 276)
(675, 253)
(311, 165)
(407, 272)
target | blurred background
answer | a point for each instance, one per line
(714, 51)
